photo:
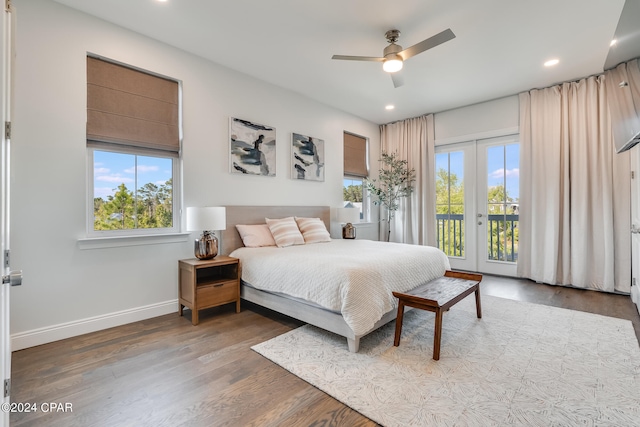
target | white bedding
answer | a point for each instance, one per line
(353, 277)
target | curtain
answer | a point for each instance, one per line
(414, 140)
(574, 226)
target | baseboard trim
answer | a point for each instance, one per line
(62, 331)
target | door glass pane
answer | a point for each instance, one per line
(450, 202)
(503, 185)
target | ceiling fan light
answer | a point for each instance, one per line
(392, 65)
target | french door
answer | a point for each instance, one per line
(477, 204)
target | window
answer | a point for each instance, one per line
(355, 170)
(353, 194)
(132, 191)
(133, 150)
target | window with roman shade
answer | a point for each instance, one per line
(133, 146)
(355, 156)
(355, 171)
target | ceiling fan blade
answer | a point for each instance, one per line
(357, 58)
(397, 78)
(433, 41)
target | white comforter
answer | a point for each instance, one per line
(354, 277)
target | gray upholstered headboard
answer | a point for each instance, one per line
(256, 214)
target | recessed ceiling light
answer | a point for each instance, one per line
(389, 107)
(614, 41)
(551, 62)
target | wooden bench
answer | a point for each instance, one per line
(438, 296)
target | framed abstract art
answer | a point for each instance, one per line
(307, 158)
(252, 148)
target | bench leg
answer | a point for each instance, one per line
(437, 336)
(478, 307)
(396, 340)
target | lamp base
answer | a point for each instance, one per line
(206, 247)
(348, 231)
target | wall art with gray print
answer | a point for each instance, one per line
(252, 148)
(307, 158)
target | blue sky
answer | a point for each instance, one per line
(503, 164)
(113, 169)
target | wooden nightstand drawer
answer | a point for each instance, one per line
(217, 294)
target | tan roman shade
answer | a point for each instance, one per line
(355, 155)
(130, 107)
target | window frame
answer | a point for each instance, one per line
(176, 191)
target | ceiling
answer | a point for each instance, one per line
(499, 49)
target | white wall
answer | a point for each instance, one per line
(69, 290)
(484, 120)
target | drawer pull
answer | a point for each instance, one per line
(218, 285)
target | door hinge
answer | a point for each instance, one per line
(7, 5)
(7, 130)
(633, 174)
(7, 387)
(7, 258)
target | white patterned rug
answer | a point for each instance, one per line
(521, 364)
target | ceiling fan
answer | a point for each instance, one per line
(393, 55)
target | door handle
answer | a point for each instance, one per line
(14, 278)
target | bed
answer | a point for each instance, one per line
(343, 286)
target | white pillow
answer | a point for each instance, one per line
(313, 230)
(285, 232)
(255, 236)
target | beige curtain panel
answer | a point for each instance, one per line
(130, 107)
(574, 190)
(414, 140)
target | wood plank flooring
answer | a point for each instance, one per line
(166, 372)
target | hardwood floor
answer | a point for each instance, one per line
(167, 372)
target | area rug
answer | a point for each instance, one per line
(521, 364)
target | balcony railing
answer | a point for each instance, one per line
(502, 239)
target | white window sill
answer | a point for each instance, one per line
(119, 241)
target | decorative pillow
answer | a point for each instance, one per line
(255, 236)
(285, 232)
(313, 230)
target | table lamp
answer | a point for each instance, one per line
(347, 216)
(206, 219)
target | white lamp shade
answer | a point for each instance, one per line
(346, 215)
(207, 218)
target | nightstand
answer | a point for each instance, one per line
(208, 283)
